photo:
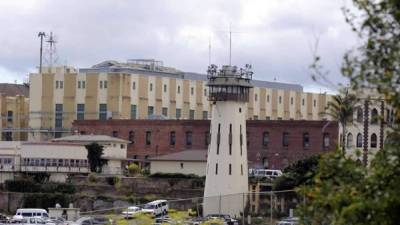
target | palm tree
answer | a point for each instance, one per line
(341, 109)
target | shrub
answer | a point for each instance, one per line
(133, 169)
(112, 180)
(175, 175)
(92, 177)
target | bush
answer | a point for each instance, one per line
(133, 169)
(112, 180)
(30, 186)
(92, 177)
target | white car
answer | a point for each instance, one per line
(289, 221)
(31, 213)
(156, 208)
(131, 212)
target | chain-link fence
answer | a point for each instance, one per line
(254, 207)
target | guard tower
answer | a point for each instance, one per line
(227, 173)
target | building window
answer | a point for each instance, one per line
(133, 111)
(255, 97)
(267, 118)
(265, 140)
(179, 89)
(302, 101)
(374, 116)
(374, 141)
(79, 84)
(205, 92)
(230, 169)
(189, 138)
(291, 100)
(359, 115)
(165, 88)
(206, 138)
(192, 91)
(105, 84)
(178, 114)
(151, 87)
(80, 111)
(172, 138)
(58, 116)
(181, 165)
(134, 85)
(148, 137)
(280, 99)
(267, 98)
(359, 140)
(241, 169)
(218, 137)
(115, 133)
(205, 115)
(165, 111)
(216, 168)
(57, 84)
(240, 110)
(150, 110)
(101, 84)
(230, 139)
(103, 111)
(122, 146)
(131, 136)
(241, 139)
(255, 117)
(326, 140)
(10, 116)
(285, 139)
(315, 102)
(349, 140)
(306, 140)
(191, 114)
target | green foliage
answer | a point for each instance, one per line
(175, 175)
(92, 178)
(299, 173)
(112, 180)
(95, 153)
(133, 169)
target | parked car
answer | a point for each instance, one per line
(156, 208)
(32, 213)
(225, 217)
(4, 218)
(269, 174)
(131, 212)
(289, 221)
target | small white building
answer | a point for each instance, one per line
(184, 162)
(60, 157)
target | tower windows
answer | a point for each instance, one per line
(102, 111)
(133, 85)
(241, 140)
(280, 99)
(359, 140)
(189, 138)
(349, 140)
(131, 136)
(291, 100)
(192, 91)
(359, 115)
(240, 110)
(230, 169)
(165, 88)
(241, 169)
(178, 114)
(179, 89)
(315, 103)
(216, 169)
(151, 86)
(218, 137)
(306, 140)
(230, 139)
(302, 101)
(148, 137)
(374, 116)
(267, 98)
(265, 140)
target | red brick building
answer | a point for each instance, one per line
(271, 143)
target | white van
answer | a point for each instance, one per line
(156, 208)
(31, 213)
(271, 174)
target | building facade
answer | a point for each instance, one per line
(271, 143)
(143, 89)
(14, 109)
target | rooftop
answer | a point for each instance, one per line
(7, 89)
(186, 155)
(89, 138)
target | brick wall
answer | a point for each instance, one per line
(275, 155)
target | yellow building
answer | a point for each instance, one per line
(141, 89)
(14, 108)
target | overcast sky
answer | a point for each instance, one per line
(275, 36)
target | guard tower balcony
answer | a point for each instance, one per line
(229, 83)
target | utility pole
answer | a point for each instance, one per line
(41, 35)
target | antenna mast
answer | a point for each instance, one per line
(41, 35)
(52, 48)
(230, 44)
(209, 51)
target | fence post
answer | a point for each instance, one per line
(270, 212)
(243, 211)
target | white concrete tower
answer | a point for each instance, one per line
(226, 175)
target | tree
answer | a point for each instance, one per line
(344, 191)
(95, 153)
(341, 109)
(297, 174)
